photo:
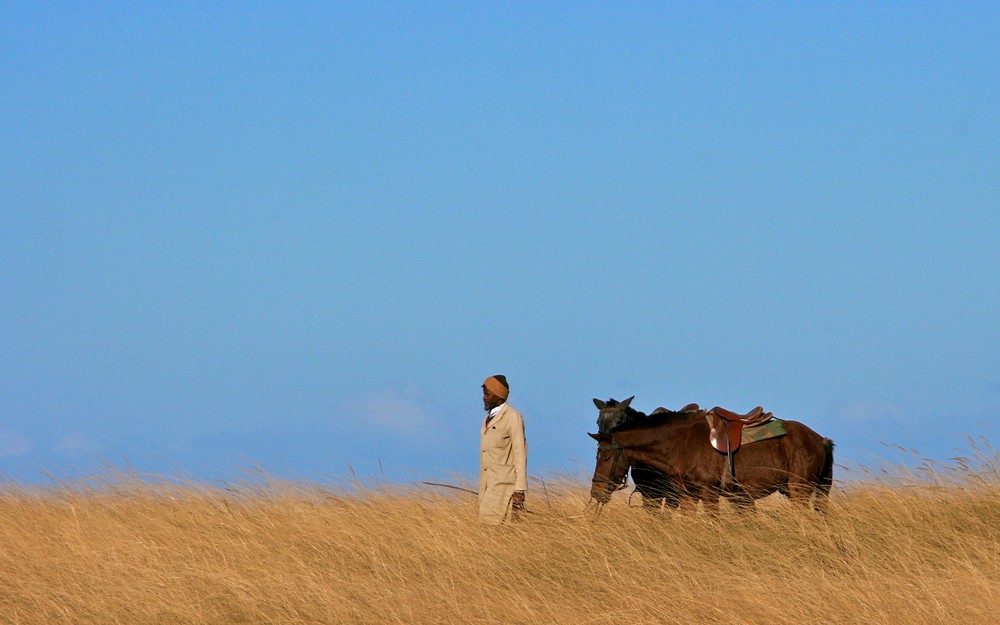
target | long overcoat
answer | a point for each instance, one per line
(503, 464)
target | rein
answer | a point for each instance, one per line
(616, 448)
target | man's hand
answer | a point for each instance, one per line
(517, 501)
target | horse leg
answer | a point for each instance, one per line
(742, 502)
(651, 505)
(685, 503)
(672, 499)
(821, 501)
(800, 491)
(710, 499)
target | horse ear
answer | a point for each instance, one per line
(628, 401)
(596, 437)
(600, 404)
(600, 437)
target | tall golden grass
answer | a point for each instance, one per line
(122, 548)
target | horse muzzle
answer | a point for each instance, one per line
(602, 489)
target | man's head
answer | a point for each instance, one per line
(495, 391)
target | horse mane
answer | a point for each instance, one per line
(657, 419)
(619, 415)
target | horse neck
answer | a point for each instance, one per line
(656, 446)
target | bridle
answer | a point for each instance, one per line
(618, 457)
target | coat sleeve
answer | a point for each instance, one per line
(519, 451)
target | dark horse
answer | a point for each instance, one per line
(654, 485)
(797, 465)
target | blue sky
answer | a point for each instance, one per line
(299, 237)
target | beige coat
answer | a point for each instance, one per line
(503, 464)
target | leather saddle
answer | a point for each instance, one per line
(687, 408)
(726, 431)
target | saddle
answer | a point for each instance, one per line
(687, 408)
(726, 432)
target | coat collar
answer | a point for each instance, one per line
(500, 413)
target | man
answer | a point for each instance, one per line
(503, 456)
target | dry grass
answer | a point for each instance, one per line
(120, 549)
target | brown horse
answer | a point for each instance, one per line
(797, 465)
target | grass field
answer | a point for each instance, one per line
(121, 548)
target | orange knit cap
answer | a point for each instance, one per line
(497, 384)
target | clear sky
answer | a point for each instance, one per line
(298, 236)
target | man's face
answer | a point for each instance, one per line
(490, 401)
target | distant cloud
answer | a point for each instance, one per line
(873, 425)
(871, 413)
(401, 411)
(13, 444)
(992, 392)
(76, 443)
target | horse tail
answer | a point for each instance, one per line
(825, 475)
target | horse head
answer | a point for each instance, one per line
(614, 413)
(612, 467)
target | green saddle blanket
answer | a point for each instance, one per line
(770, 429)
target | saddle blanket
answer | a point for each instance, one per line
(770, 429)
